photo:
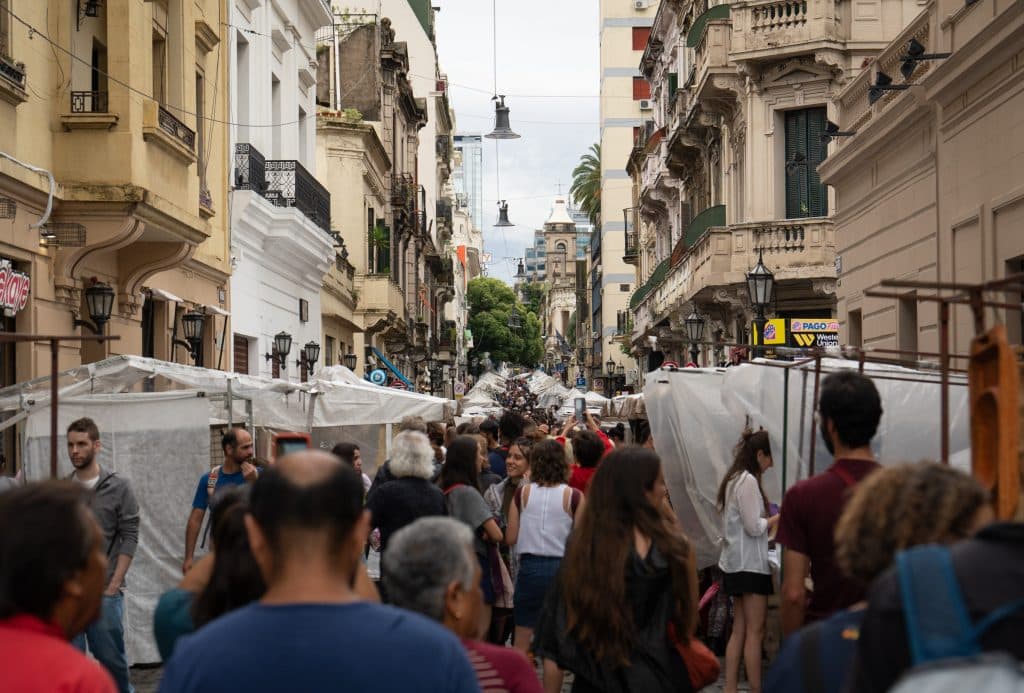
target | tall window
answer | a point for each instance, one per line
(854, 328)
(98, 79)
(5, 28)
(641, 89)
(159, 65)
(641, 34)
(329, 351)
(242, 85)
(303, 134)
(275, 105)
(201, 127)
(908, 323)
(805, 194)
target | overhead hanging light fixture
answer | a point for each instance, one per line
(503, 214)
(502, 129)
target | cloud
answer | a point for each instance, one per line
(545, 48)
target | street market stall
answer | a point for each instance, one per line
(160, 427)
(697, 415)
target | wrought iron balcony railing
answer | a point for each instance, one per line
(250, 169)
(12, 71)
(89, 101)
(175, 128)
(298, 188)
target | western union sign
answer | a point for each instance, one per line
(814, 332)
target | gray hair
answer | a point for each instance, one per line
(412, 455)
(422, 559)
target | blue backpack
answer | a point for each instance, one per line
(944, 643)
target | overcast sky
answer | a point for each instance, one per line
(545, 48)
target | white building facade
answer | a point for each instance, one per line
(281, 241)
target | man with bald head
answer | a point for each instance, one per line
(309, 631)
(237, 469)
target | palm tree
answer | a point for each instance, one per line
(586, 183)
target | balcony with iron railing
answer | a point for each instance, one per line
(161, 127)
(403, 192)
(298, 188)
(631, 250)
(89, 101)
(12, 78)
(250, 169)
(720, 256)
(773, 30)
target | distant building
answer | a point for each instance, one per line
(468, 179)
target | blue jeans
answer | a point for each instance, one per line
(106, 641)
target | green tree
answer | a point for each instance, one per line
(586, 184)
(533, 296)
(491, 303)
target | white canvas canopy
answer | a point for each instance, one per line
(550, 392)
(697, 415)
(155, 429)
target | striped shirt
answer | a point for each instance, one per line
(501, 669)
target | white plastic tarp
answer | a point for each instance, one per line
(161, 444)
(276, 404)
(697, 415)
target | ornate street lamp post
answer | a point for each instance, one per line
(760, 285)
(695, 333)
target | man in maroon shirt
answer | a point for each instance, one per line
(53, 569)
(849, 410)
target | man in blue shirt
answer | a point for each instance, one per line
(310, 631)
(236, 470)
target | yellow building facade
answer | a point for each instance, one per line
(124, 103)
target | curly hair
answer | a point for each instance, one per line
(548, 465)
(901, 506)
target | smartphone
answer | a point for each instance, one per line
(581, 408)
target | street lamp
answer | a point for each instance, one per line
(350, 361)
(282, 346)
(192, 328)
(760, 285)
(309, 356)
(99, 301)
(695, 333)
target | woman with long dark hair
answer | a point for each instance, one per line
(460, 482)
(218, 583)
(746, 575)
(628, 576)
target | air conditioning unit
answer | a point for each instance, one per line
(641, 4)
(646, 104)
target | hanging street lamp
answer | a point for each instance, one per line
(503, 215)
(502, 130)
(192, 324)
(350, 361)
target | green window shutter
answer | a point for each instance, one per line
(796, 171)
(673, 84)
(805, 194)
(817, 196)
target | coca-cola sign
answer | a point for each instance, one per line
(14, 288)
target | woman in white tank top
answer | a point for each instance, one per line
(539, 522)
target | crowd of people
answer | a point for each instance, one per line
(510, 547)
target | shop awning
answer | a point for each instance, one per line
(217, 311)
(165, 295)
(391, 367)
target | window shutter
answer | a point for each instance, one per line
(673, 84)
(796, 174)
(817, 196)
(641, 89)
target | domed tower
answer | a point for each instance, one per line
(560, 246)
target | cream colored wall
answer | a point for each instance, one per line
(617, 57)
(932, 186)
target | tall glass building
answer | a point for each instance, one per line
(469, 178)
